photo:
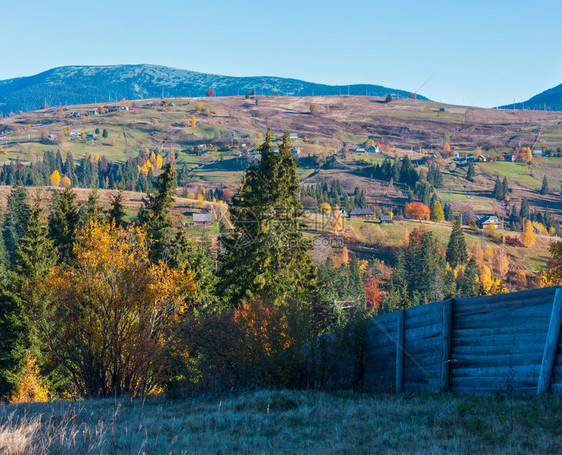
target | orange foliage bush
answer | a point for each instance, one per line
(417, 210)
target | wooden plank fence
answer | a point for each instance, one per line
(509, 342)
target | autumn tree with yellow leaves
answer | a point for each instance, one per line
(115, 313)
(55, 178)
(528, 236)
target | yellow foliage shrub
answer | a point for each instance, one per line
(30, 389)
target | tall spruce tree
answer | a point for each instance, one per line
(265, 254)
(155, 209)
(434, 175)
(186, 254)
(456, 249)
(544, 187)
(471, 173)
(63, 221)
(470, 286)
(21, 298)
(505, 187)
(497, 192)
(524, 209)
(116, 213)
(92, 209)
(15, 220)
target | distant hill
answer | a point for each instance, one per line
(90, 84)
(550, 100)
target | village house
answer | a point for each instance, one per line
(202, 219)
(385, 219)
(361, 213)
(489, 220)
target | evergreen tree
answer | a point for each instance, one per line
(448, 212)
(265, 254)
(505, 187)
(69, 167)
(191, 256)
(470, 284)
(116, 213)
(524, 209)
(16, 218)
(63, 221)
(21, 299)
(544, 188)
(471, 173)
(154, 213)
(92, 209)
(456, 249)
(104, 134)
(434, 176)
(407, 173)
(497, 192)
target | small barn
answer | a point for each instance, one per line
(385, 219)
(202, 219)
(361, 213)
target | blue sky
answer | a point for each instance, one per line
(473, 52)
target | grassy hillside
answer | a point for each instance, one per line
(230, 128)
(288, 422)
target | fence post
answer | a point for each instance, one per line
(551, 343)
(400, 351)
(446, 345)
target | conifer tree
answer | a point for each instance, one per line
(544, 188)
(524, 209)
(21, 298)
(17, 215)
(191, 256)
(116, 214)
(434, 176)
(505, 187)
(265, 254)
(471, 173)
(470, 284)
(92, 209)
(154, 212)
(448, 212)
(497, 192)
(456, 249)
(63, 221)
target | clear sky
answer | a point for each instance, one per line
(474, 52)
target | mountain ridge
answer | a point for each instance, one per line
(549, 100)
(85, 84)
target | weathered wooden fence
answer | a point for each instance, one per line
(508, 342)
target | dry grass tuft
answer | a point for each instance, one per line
(287, 422)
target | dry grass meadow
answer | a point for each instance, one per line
(288, 422)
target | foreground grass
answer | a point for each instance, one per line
(287, 422)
